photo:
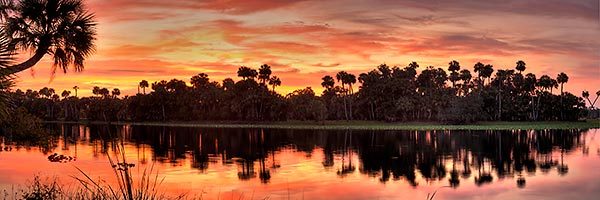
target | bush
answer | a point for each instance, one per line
(463, 110)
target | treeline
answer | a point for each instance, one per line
(386, 94)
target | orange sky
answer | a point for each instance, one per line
(303, 40)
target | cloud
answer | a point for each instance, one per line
(244, 6)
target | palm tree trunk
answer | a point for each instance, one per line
(27, 64)
(562, 117)
(43, 48)
(345, 108)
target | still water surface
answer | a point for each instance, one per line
(313, 164)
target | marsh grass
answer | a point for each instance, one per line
(146, 188)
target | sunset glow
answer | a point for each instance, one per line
(305, 40)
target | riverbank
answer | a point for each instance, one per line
(366, 125)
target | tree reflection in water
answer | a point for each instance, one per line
(452, 156)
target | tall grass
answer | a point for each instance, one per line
(146, 188)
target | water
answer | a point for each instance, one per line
(309, 164)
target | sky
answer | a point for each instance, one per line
(304, 40)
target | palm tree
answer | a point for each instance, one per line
(478, 68)
(350, 79)
(562, 78)
(65, 94)
(246, 73)
(96, 90)
(453, 67)
(116, 92)
(545, 82)
(521, 66)
(104, 92)
(63, 29)
(597, 95)
(143, 84)
(340, 78)
(264, 73)
(6, 80)
(487, 72)
(586, 95)
(75, 88)
(465, 76)
(346, 79)
(553, 84)
(328, 82)
(274, 81)
(200, 80)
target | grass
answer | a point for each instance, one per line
(369, 125)
(125, 188)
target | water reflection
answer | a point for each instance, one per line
(414, 157)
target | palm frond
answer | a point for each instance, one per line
(6, 80)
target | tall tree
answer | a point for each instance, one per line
(246, 73)
(274, 82)
(521, 66)
(64, 29)
(264, 74)
(96, 90)
(487, 72)
(75, 88)
(465, 76)
(328, 82)
(116, 92)
(453, 67)
(199, 81)
(65, 94)
(562, 78)
(143, 84)
(479, 68)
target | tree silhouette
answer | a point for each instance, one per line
(104, 92)
(96, 90)
(346, 79)
(521, 66)
(246, 73)
(479, 68)
(274, 81)
(116, 92)
(264, 74)
(487, 71)
(75, 88)
(562, 78)
(453, 67)
(65, 94)
(64, 29)
(200, 80)
(465, 76)
(585, 94)
(143, 84)
(328, 82)
(386, 93)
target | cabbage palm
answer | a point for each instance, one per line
(5, 79)
(63, 29)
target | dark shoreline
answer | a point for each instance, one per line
(361, 125)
